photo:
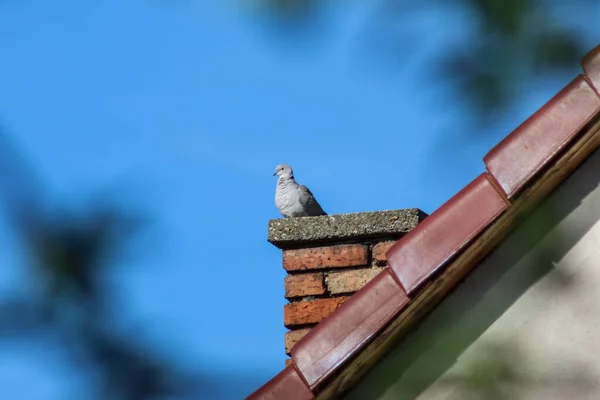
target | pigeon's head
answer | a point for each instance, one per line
(284, 171)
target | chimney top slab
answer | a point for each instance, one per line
(289, 233)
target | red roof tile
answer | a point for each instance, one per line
(523, 153)
(338, 337)
(285, 385)
(513, 164)
(424, 250)
(591, 67)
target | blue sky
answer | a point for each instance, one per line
(187, 107)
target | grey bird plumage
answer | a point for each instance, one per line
(292, 199)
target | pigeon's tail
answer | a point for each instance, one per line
(318, 210)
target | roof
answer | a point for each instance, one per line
(429, 261)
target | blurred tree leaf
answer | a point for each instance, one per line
(73, 253)
(557, 50)
(289, 7)
(512, 41)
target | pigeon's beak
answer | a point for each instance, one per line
(275, 174)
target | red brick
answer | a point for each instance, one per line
(380, 249)
(304, 285)
(311, 311)
(291, 337)
(347, 255)
(350, 281)
(591, 66)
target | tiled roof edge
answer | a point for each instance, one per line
(288, 384)
(516, 160)
(591, 68)
(521, 170)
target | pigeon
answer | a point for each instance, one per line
(292, 199)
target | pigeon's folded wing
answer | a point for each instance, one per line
(310, 204)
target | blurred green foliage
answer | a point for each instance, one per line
(511, 41)
(70, 296)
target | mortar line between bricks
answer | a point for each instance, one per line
(334, 242)
(298, 327)
(368, 242)
(312, 298)
(327, 269)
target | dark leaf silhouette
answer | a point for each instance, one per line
(72, 254)
(511, 42)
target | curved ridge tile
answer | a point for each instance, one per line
(285, 385)
(523, 153)
(349, 328)
(591, 66)
(423, 251)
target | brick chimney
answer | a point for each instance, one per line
(329, 258)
